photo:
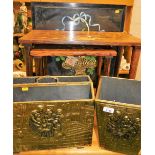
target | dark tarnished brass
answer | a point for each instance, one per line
(63, 119)
(120, 127)
(48, 128)
(45, 122)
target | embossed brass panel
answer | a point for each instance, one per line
(51, 124)
(119, 120)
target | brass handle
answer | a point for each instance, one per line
(45, 77)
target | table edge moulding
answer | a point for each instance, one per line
(80, 38)
(116, 2)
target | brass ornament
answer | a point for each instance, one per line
(44, 122)
(123, 126)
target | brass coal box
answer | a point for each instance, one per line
(52, 115)
(119, 114)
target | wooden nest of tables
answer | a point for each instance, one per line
(46, 37)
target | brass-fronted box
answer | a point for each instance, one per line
(119, 114)
(52, 115)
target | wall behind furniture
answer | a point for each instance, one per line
(135, 29)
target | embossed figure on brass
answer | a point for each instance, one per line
(123, 126)
(44, 122)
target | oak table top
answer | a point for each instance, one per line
(80, 38)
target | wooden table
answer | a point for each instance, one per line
(119, 39)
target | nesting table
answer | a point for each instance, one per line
(55, 37)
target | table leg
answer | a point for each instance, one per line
(107, 64)
(134, 62)
(99, 67)
(38, 66)
(41, 67)
(118, 60)
(127, 54)
(29, 60)
(44, 65)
